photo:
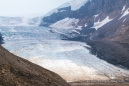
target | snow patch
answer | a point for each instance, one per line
(123, 9)
(124, 14)
(86, 25)
(79, 28)
(124, 20)
(95, 16)
(102, 23)
(76, 31)
(62, 10)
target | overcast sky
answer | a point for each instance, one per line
(27, 7)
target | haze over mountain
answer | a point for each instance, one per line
(27, 8)
(19, 21)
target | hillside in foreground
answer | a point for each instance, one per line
(15, 71)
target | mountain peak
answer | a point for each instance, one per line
(74, 5)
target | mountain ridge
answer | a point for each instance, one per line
(93, 18)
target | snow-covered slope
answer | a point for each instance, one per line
(19, 21)
(65, 26)
(67, 23)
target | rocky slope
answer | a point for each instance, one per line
(92, 19)
(15, 71)
(113, 52)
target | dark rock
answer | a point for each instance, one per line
(1, 39)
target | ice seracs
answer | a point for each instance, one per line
(69, 59)
(27, 33)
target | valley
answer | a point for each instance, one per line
(81, 43)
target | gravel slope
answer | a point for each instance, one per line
(15, 71)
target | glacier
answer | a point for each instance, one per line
(70, 59)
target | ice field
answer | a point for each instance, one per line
(70, 59)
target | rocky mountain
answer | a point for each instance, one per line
(91, 20)
(103, 24)
(19, 21)
(15, 71)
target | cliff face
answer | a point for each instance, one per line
(87, 12)
(98, 19)
(15, 71)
